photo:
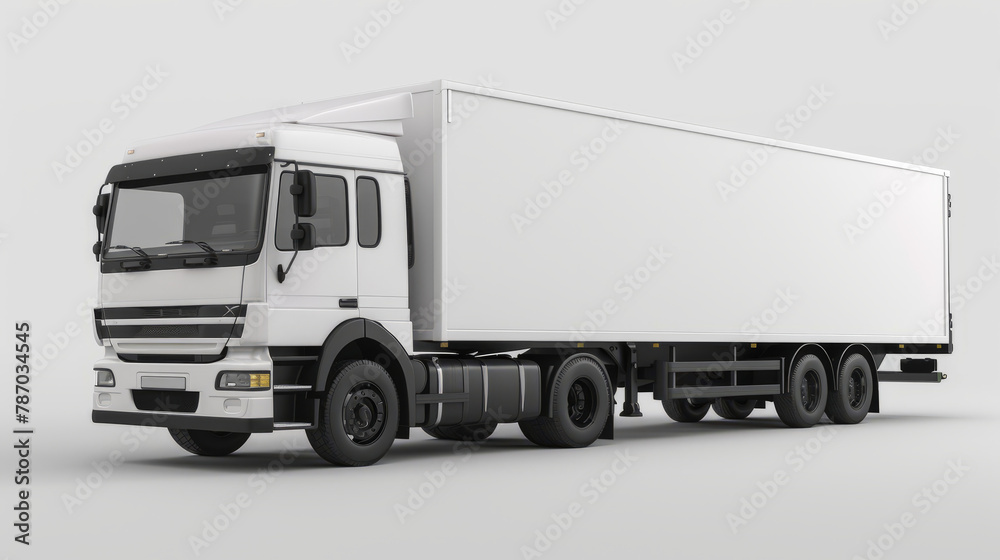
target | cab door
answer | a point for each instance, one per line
(320, 290)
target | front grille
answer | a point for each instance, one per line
(165, 401)
(173, 331)
(171, 312)
(167, 331)
(128, 314)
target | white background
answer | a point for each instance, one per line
(892, 94)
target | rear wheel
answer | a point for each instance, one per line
(685, 410)
(358, 416)
(803, 405)
(471, 432)
(581, 403)
(733, 408)
(849, 404)
(209, 444)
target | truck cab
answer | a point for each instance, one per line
(223, 274)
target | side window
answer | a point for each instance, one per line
(369, 213)
(330, 219)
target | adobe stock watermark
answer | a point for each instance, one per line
(787, 125)
(31, 25)
(131, 439)
(121, 107)
(762, 322)
(561, 12)
(580, 160)
(590, 493)
(712, 29)
(60, 339)
(960, 295)
(625, 288)
(898, 17)
(884, 199)
(923, 502)
(425, 316)
(223, 8)
(258, 482)
(433, 481)
(768, 489)
(366, 33)
(423, 148)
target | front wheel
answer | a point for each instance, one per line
(209, 444)
(358, 415)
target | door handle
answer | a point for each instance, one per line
(349, 303)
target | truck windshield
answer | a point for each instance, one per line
(219, 209)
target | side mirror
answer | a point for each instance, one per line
(304, 237)
(101, 211)
(304, 193)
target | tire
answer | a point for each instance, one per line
(850, 403)
(734, 408)
(209, 444)
(471, 432)
(358, 415)
(683, 410)
(804, 403)
(581, 404)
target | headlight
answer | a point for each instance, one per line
(244, 381)
(105, 378)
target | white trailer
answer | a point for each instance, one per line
(471, 256)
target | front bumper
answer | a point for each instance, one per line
(183, 421)
(216, 410)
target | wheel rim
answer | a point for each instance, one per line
(582, 403)
(809, 391)
(364, 413)
(857, 388)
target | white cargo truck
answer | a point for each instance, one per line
(450, 257)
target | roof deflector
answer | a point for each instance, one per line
(378, 115)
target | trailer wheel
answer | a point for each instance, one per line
(581, 403)
(684, 410)
(358, 415)
(470, 432)
(849, 404)
(209, 444)
(804, 403)
(733, 408)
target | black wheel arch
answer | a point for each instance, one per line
(366, 339)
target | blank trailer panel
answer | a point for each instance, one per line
(539, 220)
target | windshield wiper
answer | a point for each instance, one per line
(213, 257)
(146, 262)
